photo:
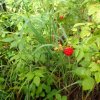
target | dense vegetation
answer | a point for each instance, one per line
(49, 49)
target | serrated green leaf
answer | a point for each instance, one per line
(80, 55)
(21, 46)
(36, 80)
(47, 88)
(88, 83)
(52, 93)
(29, 76)
(8, 39)
(84, 34)
(91, 40)
(58, 97)
(82, 72)
(96, 17)
(93, 8)
(64, 98)
(97, 77)
(94, 67)
(42, 58)
(39, 73)
(13, 44)
(42, 94)
(85, 31)
(22, 76)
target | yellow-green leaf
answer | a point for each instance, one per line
(97, 77)
(94, 67)
(36, 80)
(88, 83)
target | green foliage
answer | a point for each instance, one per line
(30, 66)
(88, 83)
(87, 51)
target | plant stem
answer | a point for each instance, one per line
(69, 62)
(67, 86)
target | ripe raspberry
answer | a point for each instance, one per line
(61, 17)
(68, 51)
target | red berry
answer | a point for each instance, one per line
(68, 51)
(61, 17)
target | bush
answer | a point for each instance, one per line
(47, 47)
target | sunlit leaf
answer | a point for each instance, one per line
(79, 24)
(88, 83)
(97, 77)
(82, 72)
(8, 39)
(94, 67)
(64, 98)
(80, 55)
(58, 97)
(36, 80)
(85, 31)
(30, 76)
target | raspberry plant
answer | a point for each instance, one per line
(48, 47)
